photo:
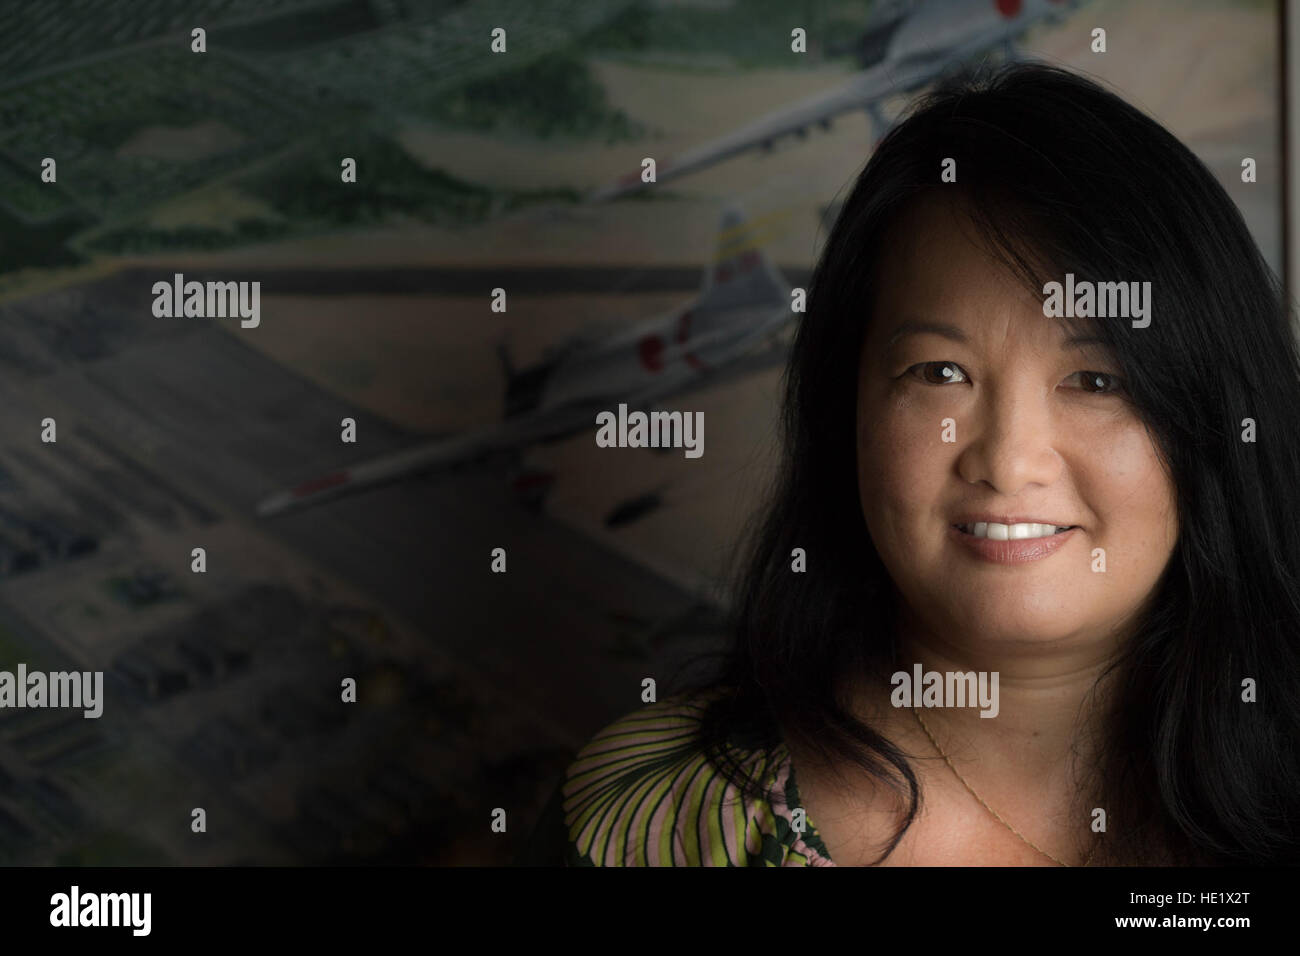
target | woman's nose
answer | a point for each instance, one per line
(1010, 442)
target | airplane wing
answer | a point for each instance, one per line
(438, 453)
(864, 91)
(509, 435)
(444, 452)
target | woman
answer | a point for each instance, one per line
(1092, 509)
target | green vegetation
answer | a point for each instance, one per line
(748, 33)
(24, 244)
(555, 95)
(12, 652)
(391, 186)
(307, 199)
(109, 848)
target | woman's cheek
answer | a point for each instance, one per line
(1129, 462)
(901, 451)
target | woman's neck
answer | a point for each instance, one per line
(1038, 742)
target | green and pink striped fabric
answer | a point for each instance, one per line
(640, 793)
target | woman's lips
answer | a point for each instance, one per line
(1018, 551)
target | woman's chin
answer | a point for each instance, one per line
(1023, 628)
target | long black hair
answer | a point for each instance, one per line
(1060, 174)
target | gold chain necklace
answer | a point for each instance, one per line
(985, 805)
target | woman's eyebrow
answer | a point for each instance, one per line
(1083, 341)
(918, 327)
(921, 327)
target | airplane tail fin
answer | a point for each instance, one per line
(505, 358)
(740, 273)
(523, 385)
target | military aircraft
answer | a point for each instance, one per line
(733, 326)
(907, 45)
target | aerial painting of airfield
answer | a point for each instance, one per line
(474, 171)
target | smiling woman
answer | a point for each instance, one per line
(1101, 515)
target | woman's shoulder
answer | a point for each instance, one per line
(643, 792)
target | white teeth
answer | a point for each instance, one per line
(1001, 532)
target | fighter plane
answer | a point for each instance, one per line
(907, 45)
(733, 326)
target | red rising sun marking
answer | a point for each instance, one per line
(528, 480)
(684, 333)
(313, 485)
(651, 352)
(1008, 8)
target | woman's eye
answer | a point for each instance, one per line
(1099, 383)
(938, 373)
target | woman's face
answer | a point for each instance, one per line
(997, 416)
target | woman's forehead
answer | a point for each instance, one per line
(934, 234)
(938, 266)
(933, 253)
